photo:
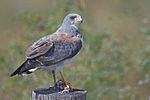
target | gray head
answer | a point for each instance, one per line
(72, 20)
(70, 23)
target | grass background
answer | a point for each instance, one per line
(114, 63)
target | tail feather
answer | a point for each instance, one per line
(22, 69)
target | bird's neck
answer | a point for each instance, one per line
(69, 29)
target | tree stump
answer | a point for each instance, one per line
(53, 94)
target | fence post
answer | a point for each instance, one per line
(52, 94)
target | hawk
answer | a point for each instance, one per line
(51, 52)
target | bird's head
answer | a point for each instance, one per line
(73, 20)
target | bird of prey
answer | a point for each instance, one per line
(53, 51)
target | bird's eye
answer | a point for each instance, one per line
(72, 17)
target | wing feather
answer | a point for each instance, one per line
(39, 48)
(63, 50)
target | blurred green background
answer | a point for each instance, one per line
(114, 63)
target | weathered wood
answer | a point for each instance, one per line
(53, 94)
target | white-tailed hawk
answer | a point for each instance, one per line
(53, 51)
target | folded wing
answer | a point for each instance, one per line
(51, 50)
(48, 51)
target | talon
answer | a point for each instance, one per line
(66, 89)
(59, 85)
(68, 84)
(65, 83)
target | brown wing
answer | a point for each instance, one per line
(64, 47)
(39, 48)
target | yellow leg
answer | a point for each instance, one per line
(54, 77)
(65, 82)
(63, 79)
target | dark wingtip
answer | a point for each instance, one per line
(13, 74)
(18, 70)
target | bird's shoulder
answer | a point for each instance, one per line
(66, 37)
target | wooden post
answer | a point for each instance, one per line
(53, 94)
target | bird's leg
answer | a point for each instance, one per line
(63, 79)
(54, 77)
(66, 84)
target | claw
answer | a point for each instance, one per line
(66, 89)
(65, 84)
(68, 84)
(59, 85)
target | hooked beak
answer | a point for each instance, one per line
(79, 19)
